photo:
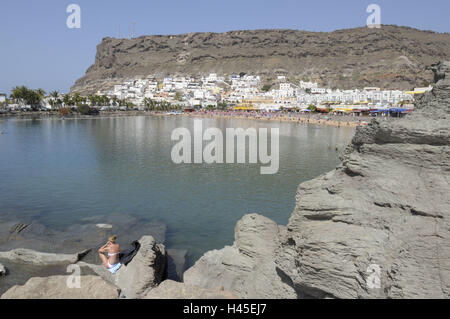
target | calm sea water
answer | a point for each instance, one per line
(61, 171)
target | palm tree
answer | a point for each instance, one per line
(41, 92)
(67, 100)
(77, 99)
(104, 100)
(123, 102)
(21, 94)
(14, 94)
(92, 99)
(54, 95)
(18, 93)
(149, 103)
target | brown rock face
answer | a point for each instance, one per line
(390, 57)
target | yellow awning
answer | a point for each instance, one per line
(245, 108)
(414, 92)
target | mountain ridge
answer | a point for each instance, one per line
(389, 57)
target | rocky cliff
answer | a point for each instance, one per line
(390, 57)
(378, 226)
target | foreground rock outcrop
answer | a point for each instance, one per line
(391, 57)
(248, 267)
(376, 227)
(170, 289)
(147, 269)
(56, 287)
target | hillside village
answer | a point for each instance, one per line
(247, 92)
(242, 92)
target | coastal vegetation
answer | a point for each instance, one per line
(85, 109)
(312, 108)
(24, 95)
(153, 105)
(266, 87)
(55, 101)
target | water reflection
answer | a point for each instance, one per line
(61, 171)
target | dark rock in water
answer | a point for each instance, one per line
(28, 256)
(17, 228)
(78, 236)
(34, 236)
(376, 227)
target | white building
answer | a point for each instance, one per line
(285, 90)
(285, 86)
(316, 90)
(308, 85)
(152, 86)
(206, 91)
(199, 94)
(211, 78)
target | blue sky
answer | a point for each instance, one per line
(38, 50)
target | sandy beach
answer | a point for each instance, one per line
(316, 119)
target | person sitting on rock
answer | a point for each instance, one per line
(109, 254)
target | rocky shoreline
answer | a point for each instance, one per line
(146, 276)
(28, 247)
(146, 271)
(378, 226)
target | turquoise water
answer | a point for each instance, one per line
(61, 171)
